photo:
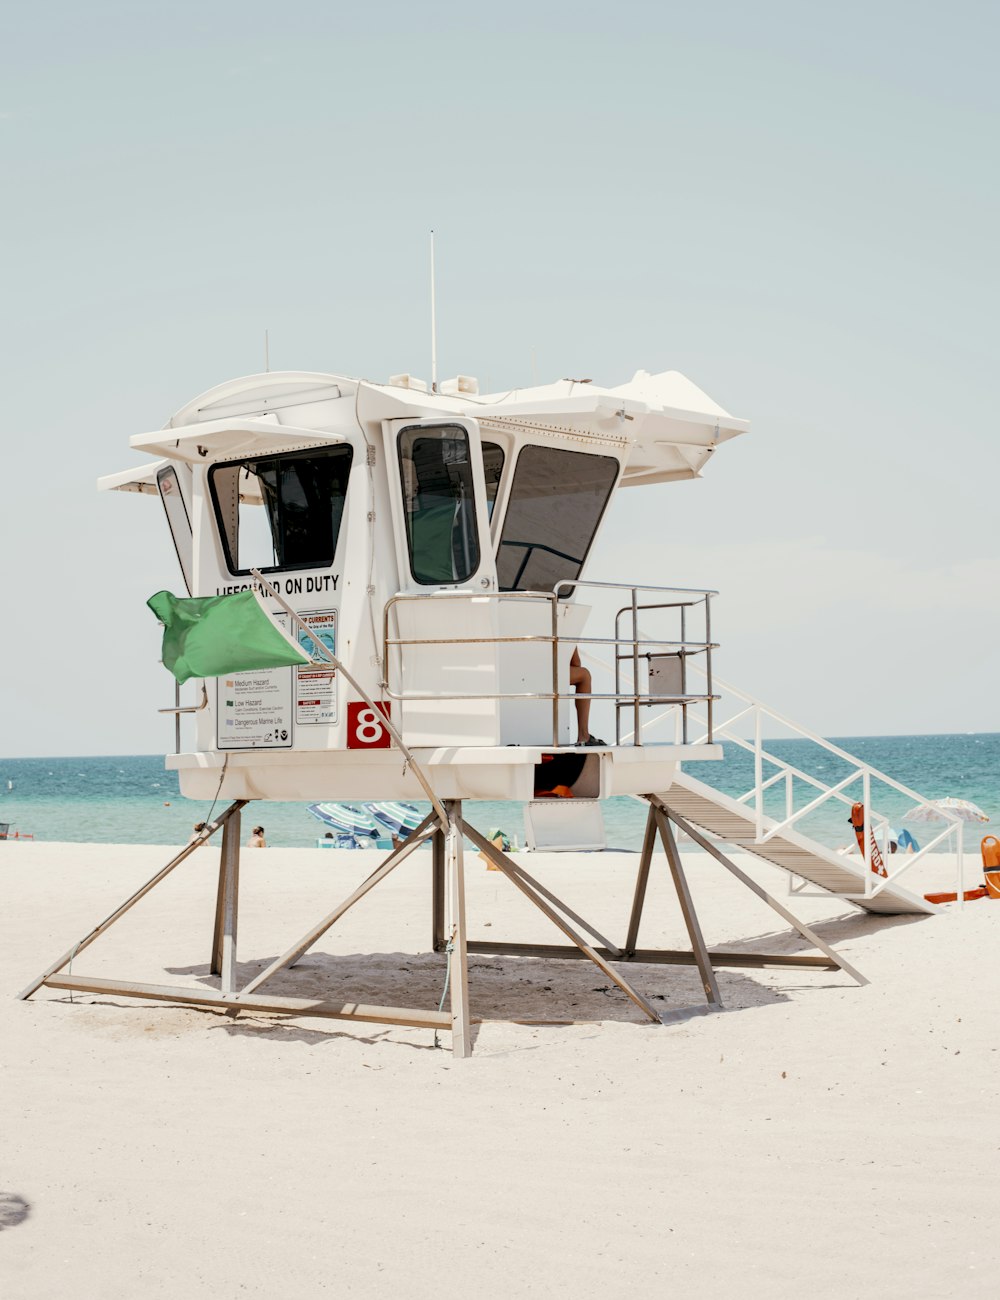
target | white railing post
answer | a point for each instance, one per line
(874, 884)
(758, 772)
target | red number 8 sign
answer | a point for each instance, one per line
(365, 728)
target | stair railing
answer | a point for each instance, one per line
(768, 827)
(876, 823)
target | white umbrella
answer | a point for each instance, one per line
(931, 812)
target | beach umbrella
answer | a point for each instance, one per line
(343, 819)
(397, 818)
(962, 808)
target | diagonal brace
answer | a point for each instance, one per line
(129, 903)
(761, 893)
(704, 961)
(306, 942)
(514, 875)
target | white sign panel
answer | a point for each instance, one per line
(316, 689)
(254, 708)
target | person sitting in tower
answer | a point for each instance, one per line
(582, 683)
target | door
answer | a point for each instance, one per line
(446, 614)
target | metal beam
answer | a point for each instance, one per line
(566, 911)
(509, 869)
(281, 1006)
(708, 980)
(650, 956)
(761, 893)
(129, 903)
(641, 881)
(458, 969)
(437, 891)
(229, 871)
(306, 942)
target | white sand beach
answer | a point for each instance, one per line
(816, 1138)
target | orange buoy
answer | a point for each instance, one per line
(858, 822)
(990, 848)
(970, 895)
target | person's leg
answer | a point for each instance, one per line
(580, 680)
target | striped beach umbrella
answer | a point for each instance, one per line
(344, 819)
(397, 818)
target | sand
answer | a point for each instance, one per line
(816, 1138)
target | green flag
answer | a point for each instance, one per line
(206, 636)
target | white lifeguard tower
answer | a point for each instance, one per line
(429, 549)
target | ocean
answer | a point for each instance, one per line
(134, 800)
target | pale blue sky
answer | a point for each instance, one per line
(795, 204)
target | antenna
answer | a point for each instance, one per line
(434, 346)
(267, 354)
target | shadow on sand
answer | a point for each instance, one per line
(14, 1210)
(539, 990)
(834, 930)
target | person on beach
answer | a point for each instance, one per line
(256, 840)
(198, 828)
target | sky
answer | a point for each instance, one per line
(794, 204)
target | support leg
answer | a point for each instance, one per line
(461, 1029)
(437, 891)
(228, 832)
(230, 870)
(641, 881)
(708, 980)
(762, 894)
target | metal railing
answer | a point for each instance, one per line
(634, 648)
(178, 711)
(752, 715)
(675, 655)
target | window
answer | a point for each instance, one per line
(556, 501)
(439, 504)
(281, 512)
(492, 469)
(177, 520)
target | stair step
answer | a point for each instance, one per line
(712, 811)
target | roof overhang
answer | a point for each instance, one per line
(141, 479)
(230, 439)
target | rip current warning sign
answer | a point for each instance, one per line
(316, 688)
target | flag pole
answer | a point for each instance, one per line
(331, 658)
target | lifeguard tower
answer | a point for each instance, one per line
(429, 550)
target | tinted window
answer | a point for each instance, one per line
(439, 504)
(281, 512)
(492, 470)
(556, 502)
(177, 520)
